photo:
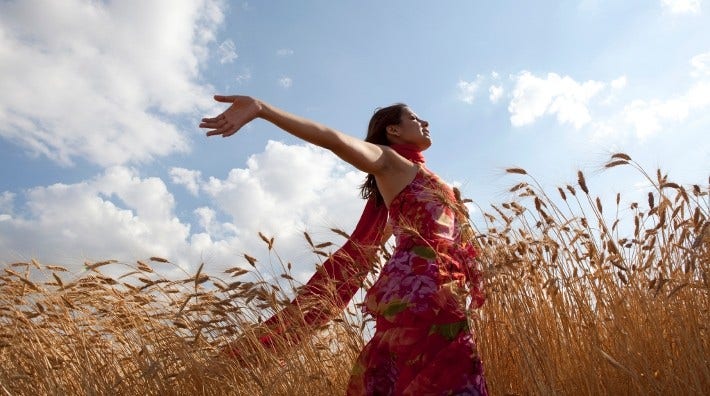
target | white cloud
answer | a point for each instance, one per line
(468, 89)
(96, 80)
(207, 218)
(495, 92)
(190, 179)
(6, 202)
(268, 185)
(117, 215)
(284, 52)
(282, 192)
(619, 83)
(682, 6)
(646, 117)
(570, 101)
(286, 82)
(534, 97)
(227, 52)
(701, 65)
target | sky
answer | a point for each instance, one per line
(100, 102)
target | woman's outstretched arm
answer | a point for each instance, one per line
(367, 157)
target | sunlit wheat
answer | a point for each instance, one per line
(579, 301)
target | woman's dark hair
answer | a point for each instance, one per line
(377, 134)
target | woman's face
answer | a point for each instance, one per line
(411, 130)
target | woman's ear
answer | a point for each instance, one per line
(392, 130)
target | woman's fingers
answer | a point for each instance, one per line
(219, 118)
(219, 126)
(241, 112)
(224, 129)
(216, 122)
(224, 98)
(215, 132)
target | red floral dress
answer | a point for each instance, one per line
(422, 343)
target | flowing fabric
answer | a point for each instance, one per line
(422, 343)
(334, 284)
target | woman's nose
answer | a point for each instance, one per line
(424, 123)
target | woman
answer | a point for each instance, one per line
(422, 343)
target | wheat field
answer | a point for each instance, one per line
(584, 297)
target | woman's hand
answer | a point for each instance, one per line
(243, 109)
(365, 156)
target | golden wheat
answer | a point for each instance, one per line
(577, 303)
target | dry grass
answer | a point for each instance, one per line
(580, 301)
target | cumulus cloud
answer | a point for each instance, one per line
(227, 52)
(701, 65)
(6, 202)
(122, 215)
(82, 87)
(208, 220)
(115, 215)
(563, 97)
(324, 186)
(572, 102)
(265, 196)
(646, 117)
(468, 89)
(285, 82)
(619, 83)
(682, 6)
(190, 179)
(495, 92)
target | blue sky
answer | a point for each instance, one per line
(100, 101)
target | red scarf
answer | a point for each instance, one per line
(333, 285)
(410, 152)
